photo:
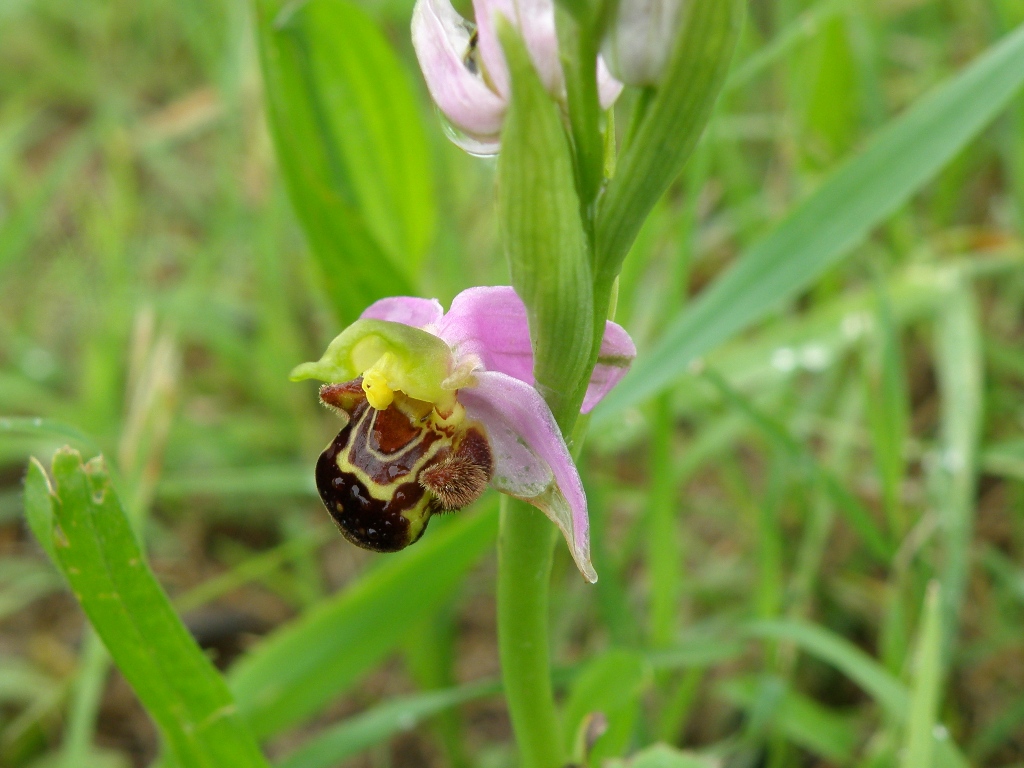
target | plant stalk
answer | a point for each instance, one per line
(526, 541)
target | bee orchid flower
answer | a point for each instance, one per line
(437, 405)
(465, 68)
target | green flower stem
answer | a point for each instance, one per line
(545, 229)
(526, 541)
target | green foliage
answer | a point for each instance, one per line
(539, 217)
(833, 220)
(767, 526)
(924, 695)
(611, 684)
(669, 126)
(351, 145)
(93, 544)
(373, 726)
(663, 756)
(306, 664)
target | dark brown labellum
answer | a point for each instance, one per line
(389, 470)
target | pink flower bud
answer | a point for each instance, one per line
(465, 68)
(640, 41)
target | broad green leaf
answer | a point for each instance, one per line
(832, 221)
(815, 340)
(97, 552)
(542, 234)
(362, 731)
(674, 121)
(926, 684)
(306, 664)
(371, 111)
(351, 146)
(611, 684)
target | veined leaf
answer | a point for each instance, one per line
(351, 145)
(95, 548)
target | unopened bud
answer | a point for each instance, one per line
(641, 40)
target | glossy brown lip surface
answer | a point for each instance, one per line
(387, 471)
(364, 520)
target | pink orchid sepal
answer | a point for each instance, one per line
(466, 72)
(474, 364)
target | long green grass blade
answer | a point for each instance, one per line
(354, 735)
(833, 221)
(961, 385)
(926, 685)
(843, 655)
(801, 719)
(306, 664)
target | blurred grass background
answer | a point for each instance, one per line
(816, 474)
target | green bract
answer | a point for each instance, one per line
(417, 363)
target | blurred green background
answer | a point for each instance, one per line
(795, 494)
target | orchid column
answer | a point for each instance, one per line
(528, 80)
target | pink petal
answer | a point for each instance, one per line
(407, 310)
(608, 88)
(441, 39)
(616, 355)
(535, 20)
(532, 461)
(490, 322)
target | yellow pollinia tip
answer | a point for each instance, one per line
(378, 393)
